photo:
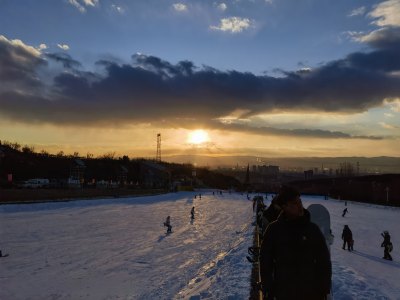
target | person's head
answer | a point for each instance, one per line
(386, 232)
(289, 200)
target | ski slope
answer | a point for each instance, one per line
(118, 249)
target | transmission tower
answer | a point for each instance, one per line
(158, 155)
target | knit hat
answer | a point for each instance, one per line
(286, 194)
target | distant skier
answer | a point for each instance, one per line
(192, 213)
(347, 237)
(345, 211)
(167, 223)
(387, 244)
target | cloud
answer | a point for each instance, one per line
(18, 65)
(149, 89)
(394, 104)
(222, 7)
(315, 133)
(357, 11)
(80, 4)
(180, 7)
(63, 46)
(118, 9)
(387, 17)
(388, 126)
(42, 47)
(233, 25)
(91, 2)
(387, 13)
(65, 59)
(387, 37)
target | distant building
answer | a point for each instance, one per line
(77, 172)
(308, 174)
(122, 175)
(270, 171)
(154, 175)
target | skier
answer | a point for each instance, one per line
(168, 224)
(347, 237)
(192, 213)
(294, 258)
(345, 211)
(387, 244)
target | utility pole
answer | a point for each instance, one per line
(387, 195)
(158, 154)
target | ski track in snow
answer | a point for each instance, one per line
(118, 249)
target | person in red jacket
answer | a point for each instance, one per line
(294, 258)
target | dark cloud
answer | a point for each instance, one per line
(317, 133)
(65, 59)
(19, 64)
(383, 38)
(151, 89)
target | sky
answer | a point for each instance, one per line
(270, 78)
(124, 252)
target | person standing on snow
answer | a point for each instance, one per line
(168, 224)
(347, 237)
(387, 244)
(192, 213)
(294, 258)
(271, 213)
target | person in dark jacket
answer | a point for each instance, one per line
(387, 244)
(347, 237)
(271, 213)
(294, 258)
(167, 223)
(345, 211)
(192, 213)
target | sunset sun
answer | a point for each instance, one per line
(198, 137)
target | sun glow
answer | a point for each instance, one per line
(198, 137)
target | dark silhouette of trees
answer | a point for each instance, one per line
(24, 163)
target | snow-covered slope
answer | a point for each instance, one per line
(118, 249)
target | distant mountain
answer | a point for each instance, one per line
(370, 165)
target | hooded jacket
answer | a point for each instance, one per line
(294, 260)
(347, 235)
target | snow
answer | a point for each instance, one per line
(118, 248)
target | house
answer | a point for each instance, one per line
(154, 175)
(77, 172)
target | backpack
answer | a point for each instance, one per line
(390, 247)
